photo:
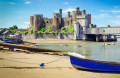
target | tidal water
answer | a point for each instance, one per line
(91, 50)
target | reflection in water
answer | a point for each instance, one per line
(92, 50)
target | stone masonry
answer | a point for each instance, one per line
(38, 21)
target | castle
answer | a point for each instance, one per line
(38, 21)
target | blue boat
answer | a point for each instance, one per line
(13, 38)
(80, 62)
(10, 40)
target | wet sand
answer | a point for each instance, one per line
(53, 41)
(23, 65)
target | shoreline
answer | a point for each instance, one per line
(24, 65)
(54, 41)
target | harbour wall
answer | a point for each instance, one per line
(69, 36)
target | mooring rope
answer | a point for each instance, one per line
(33, 63)
(55, 60)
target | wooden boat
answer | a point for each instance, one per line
(80, 62)
(13, 39)
(10, 40)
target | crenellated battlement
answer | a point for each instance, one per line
(57, 21)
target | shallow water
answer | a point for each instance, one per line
(91, 50)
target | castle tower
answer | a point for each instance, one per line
(55, 21)
(89, 19)
(68, 14)
(83, 12)
(37, 22)
(60, 18)
(73, 17)
(31, 22)
(60, 12)
(77, 11)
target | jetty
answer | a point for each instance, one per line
(30, 48)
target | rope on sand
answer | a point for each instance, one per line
(42, 64)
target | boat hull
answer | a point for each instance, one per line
(94, 64)
(8, 40)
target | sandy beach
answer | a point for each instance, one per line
(24, 65)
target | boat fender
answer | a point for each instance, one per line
(42, 64)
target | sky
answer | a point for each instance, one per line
(18, 12)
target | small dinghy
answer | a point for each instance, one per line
(80, 62)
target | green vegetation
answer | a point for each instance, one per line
(69, 29)
(44, 30)
(13, 31)
(31, 31)
(49, 29)
(5, 28)
(58, 31)
(15, 27)
(26, 32)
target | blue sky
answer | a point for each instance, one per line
(18, 12)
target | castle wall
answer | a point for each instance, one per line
(48, 22)
(37, 21)
(68, 36)
(67, 21)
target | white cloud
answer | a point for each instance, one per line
(112, 11)
(23, 26)
(101, 16)
(115, 11)
(69, 9)
(118, 16)
(117, 22)
(117, 7)
(66, 3)
(11, 3)
(27, 2)
(103, 10)
(26, 22)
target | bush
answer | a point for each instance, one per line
(15, 27)
(53, 32)
(39, 32)
(31, 31)
(46, 32)
(26, 32)
(69, 29)
(12, 31)
(57, 31)
(49, 29)
(43, 29)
